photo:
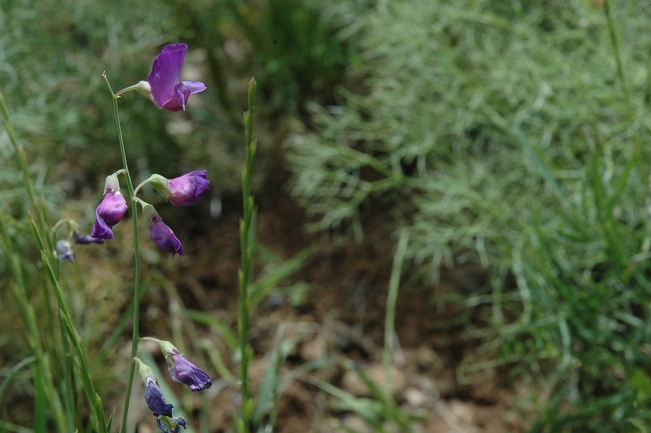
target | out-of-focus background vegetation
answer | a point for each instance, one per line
(510, 139)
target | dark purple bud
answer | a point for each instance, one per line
(160, 233)
(155, 400)
(153, 395)
(64, 250)
(110, 210)
(166, 88)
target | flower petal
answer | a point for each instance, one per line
(108, 213)
(194, 86)
(187, 189)
(155, 400)
(183, 371)
(179, 97)
(166, 73)
(164, 237)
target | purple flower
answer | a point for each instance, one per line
(153, 395)
(110, 210)
(160, 233)
(181, 191)
(183, 371)
(166, 88)
(155, 400)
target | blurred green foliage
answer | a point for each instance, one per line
(52, 55)
(501, 135)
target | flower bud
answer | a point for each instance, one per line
(159, 232)
(153, 395)
(181, 370)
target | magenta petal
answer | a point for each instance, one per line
(164, 237)
(194, 86)
(187, 189)
(166, 72)
(179, 98)
(108, 213)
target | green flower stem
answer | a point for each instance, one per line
(246, 245)
(136, 250)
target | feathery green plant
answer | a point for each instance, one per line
(503, 136)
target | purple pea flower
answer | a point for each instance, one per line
(155, 400)
(110, 210)
(167, 90)
(153, 395)
(159, 232)
(181, 370)
(184, 190)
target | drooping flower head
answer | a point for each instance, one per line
(110, 210)
(64, 250)
(159, 232)
(184, 190)
(153, 395)
(170, 424)
(181, 370)
(166, 88)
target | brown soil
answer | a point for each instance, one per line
(342, 320)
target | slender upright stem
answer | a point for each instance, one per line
(246, 245)
(136, 250)
(390, 317)
(637, 150)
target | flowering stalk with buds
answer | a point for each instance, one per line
(164, 88)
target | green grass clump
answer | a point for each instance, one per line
(508, 134)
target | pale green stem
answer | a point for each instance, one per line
(136, 250)
(637, 150)
(246, 245)
(390, 316)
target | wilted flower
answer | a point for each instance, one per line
(64, 250)
(184, 190)
(166, 88)
(159, 232)
(181, 370)
(170, 424)
(110, 210)
(153, 395)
